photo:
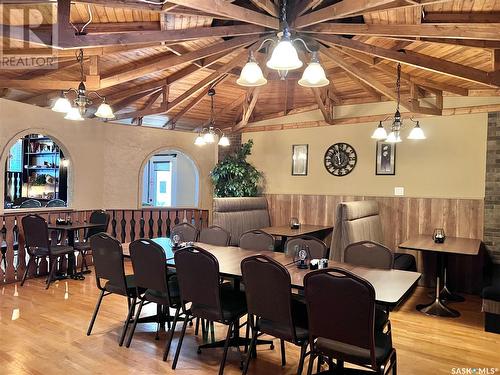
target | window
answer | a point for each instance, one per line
(170, 179)
(35, 169)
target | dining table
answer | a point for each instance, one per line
(285, 231)
(391, 286)
(451, 245)
(70, 229)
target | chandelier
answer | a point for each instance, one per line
(82, 101)
(394, 135)
(283, 59)
(209, 135)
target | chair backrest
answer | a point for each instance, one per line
(36, 233)
(341, 307)
(257, 240)
(56, 203)
(30, 203)
(274, 304)
(238, 215)
(98, 217)
(198, 276)
(107, 253)
(186, 231)
(354, 222)
(317, 248)
(149, 264)
(369, 254)
(215, 235)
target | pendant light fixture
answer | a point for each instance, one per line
(209, 135)
(284, 58)
(394, 135)
(82, 100)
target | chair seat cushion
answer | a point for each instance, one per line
(162, 298)
(355, 354)
(381, 318)
(282, 331)
(405, 262)
(233, 303)
(117, 289)
(61, 249)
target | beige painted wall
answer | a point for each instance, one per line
(106, 159)
(450, 163)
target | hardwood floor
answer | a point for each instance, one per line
(43, 332)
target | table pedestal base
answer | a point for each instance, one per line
(437, 308)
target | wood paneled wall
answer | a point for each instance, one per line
(401, 218)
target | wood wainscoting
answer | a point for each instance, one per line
(402, 217)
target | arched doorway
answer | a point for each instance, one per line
(36, 170)
(170, 179)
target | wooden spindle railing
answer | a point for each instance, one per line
(126, 225)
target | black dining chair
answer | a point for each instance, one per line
(215, 235)
(371, 254)
(38, 245)
(56, 203)
(257, 240)
(276, 312)
(108, 265)
(186, 232)
(200, 284)
(317, 248)
(30, 203)
(341, 311)
(150, 271)
(96, 217)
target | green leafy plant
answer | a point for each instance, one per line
(234, 176)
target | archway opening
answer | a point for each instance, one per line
(36, 173)
(170, 179)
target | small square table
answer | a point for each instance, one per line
(451, 245)
(70, 230)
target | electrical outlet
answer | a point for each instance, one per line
(399, 190)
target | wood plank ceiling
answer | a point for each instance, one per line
(155, 62)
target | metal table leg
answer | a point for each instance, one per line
(446, 294)
(437, 307)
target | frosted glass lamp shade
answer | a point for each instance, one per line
(224, 141)
(74, 115)
(380, 133)
(105, 111)
(393, 137)
(209, 137)
(314, 76)
(284, 57)
(417, 133)
(251, 75)
(199, 141)
(62, 105)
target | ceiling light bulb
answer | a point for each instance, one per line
(284, 57)
(314, 75)
(209, 137)
(393, 137)
(62, 105)
(74, 115)
(380, 132)
(417, 132)
(199, 141)
(224, 141)
(251, 74)
(105, 111)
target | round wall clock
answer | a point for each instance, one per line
(340, 159)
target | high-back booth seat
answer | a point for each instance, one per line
(360, 221)
(238, 215)
(491, 302)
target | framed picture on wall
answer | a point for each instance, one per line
(299, 160)
(385, 158)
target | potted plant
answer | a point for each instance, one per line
(234, 176)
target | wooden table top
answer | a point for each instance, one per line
(286, 231)
(73, 226)
(390, 285)
(452, 245)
